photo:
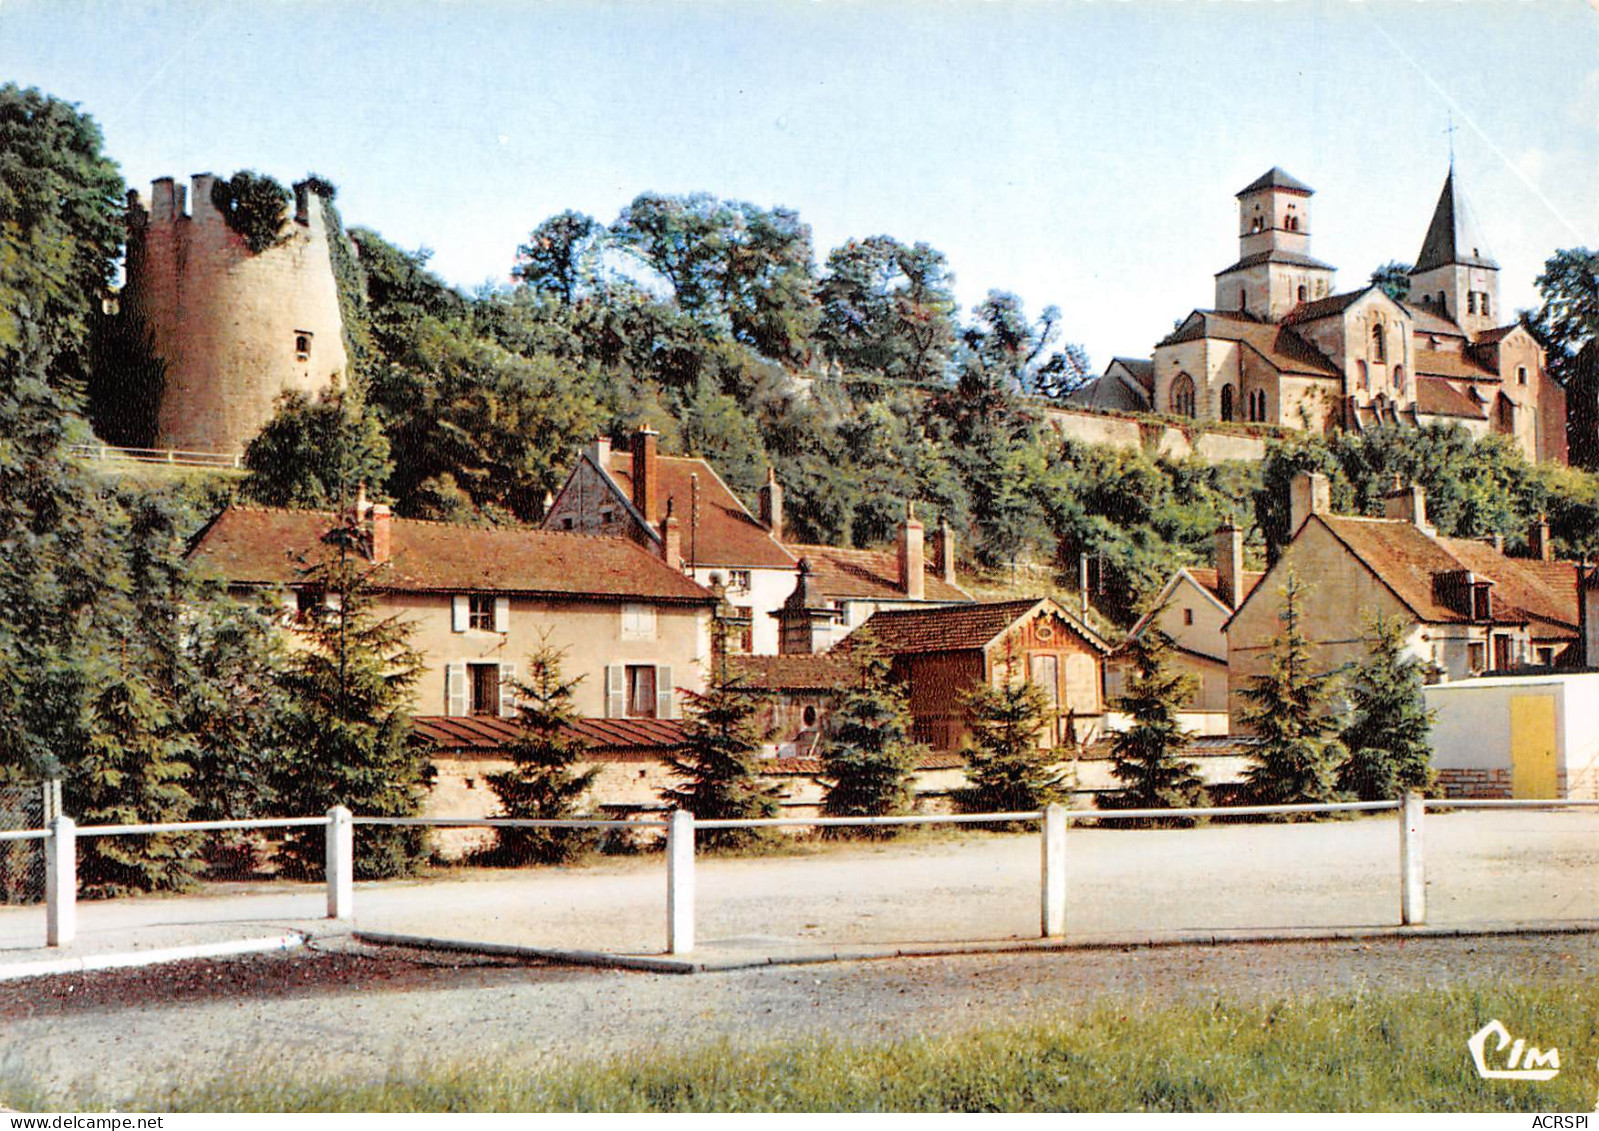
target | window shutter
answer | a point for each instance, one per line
(663, 692)
(460, 612)
(455, 689)
(502, 614)
(615, 691)
(508, 702)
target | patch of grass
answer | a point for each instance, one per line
(1367, 1051)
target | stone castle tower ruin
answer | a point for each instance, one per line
(234, 329)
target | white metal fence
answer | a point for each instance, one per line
(108, 453)
(60, 843)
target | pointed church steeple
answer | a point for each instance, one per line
(1453, 237)
(1454, 271)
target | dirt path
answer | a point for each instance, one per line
(362, 1011)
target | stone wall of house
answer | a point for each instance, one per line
(229, 324)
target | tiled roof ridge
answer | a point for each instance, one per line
(495, 528)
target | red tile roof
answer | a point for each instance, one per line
(1428, 319)
(1323, 307)
(1280, 346)
(1443, 363)
(955, 628)
(264, 546)
(1437, 397)
(1199, 746)
(869, 573)
(1407, 560)
(823, 672)
(483, 735)
(728, 535)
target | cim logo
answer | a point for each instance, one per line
(1525, 1062)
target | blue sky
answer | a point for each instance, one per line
(1083, 154)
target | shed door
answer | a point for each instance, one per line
(1532, 747)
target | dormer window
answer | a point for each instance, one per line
(302, 345)
(1482, 601)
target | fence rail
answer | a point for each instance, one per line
(62, 835)
(174, 456)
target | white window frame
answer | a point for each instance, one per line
(638, 622)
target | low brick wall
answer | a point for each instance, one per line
(1468, 784)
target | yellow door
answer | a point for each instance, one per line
(1532, 747)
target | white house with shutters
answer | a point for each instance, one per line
(479, 601)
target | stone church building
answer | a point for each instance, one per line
(1281, 347)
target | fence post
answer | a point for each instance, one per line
(340, 863)
(1053, 873)
(680, 883)
(61, 882)
(1412, 866)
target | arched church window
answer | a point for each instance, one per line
(1257, 406)
(1362, 377)
(1182, 395)
(1379, 351)
(1226, 402)
(1483, 302)
(1471, 302)
(1399, 378)
(1521, 374)
(1302, 292)
(1241, 302)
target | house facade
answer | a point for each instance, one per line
(479, 601)
(1467, 608)
(681, 510)
(1281, 347)
(940, 654)
(1192, 608)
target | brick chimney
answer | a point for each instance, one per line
(911, 580)
(1229, 565)
(944, 551)
(671, 539)
(646, 484)
(1308, 494)
(1408, 504)
(1538, 544)
(382, 532)
(772, 504)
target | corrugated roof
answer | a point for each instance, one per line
(1437, 397)
(954, 628)
(482, 734)
(728, 535)
(1276, 178)
(869, 573)
(265, 546)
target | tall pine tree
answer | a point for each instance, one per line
(543, 786)
(1008, 769)
(1146, 757)
(718, 764)
(868, 754)
(1387, 734)
(347, 728)
(1297, 761)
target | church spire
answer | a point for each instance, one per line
(1452, 237)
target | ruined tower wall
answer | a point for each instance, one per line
(234, 329)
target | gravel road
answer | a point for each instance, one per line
(362, 1011)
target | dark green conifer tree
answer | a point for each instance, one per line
(868, 753)
(543, 786)
(1387, 732)
(349, 684)
(1297, 761)
(1147, 757)
(717, 766)
(1008, 769)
